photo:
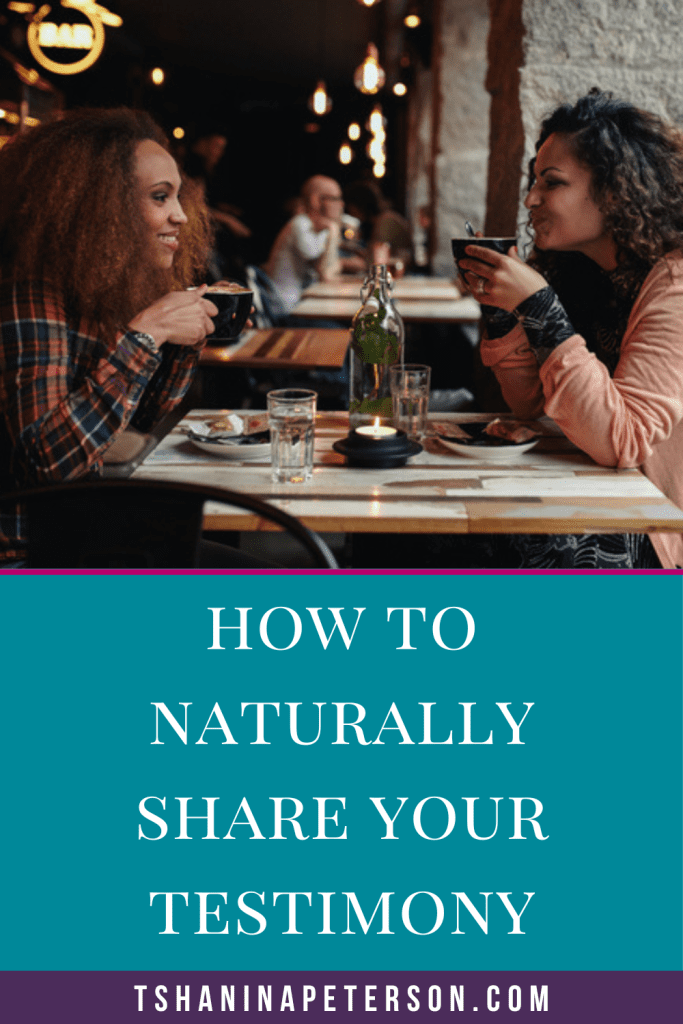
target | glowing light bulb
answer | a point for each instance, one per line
(376, 121)
(345, 154)
(178, 133)
(376, 150)
(379, 170)
(369, 76)
(400, 89)
(157, 75)
(412, 20)
(320, 103)
(354, 132)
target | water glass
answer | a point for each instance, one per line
(291, 419)
(410, 397)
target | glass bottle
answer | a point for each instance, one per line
(377, 336)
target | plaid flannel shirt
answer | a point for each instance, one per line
(65, 394)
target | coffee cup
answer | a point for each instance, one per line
(459, 245)
(234, 302)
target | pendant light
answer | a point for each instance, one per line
(319, 102)
(370, 76)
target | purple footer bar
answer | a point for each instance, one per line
(554, 997)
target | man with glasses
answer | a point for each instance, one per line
(307, 248)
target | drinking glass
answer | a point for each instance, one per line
(410, 397)
(291, 418)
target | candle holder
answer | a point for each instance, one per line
(377, 447)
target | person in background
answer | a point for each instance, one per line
(590, 330)
(382, 227)
(99, 329)
(307, 247)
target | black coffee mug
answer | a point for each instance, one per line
(459, 245)
(233, 312)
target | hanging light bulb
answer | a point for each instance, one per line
(368, 3)
(400, 89)
(345, 154)
(376, 121)
(370, 76)
(157, 75)
(413, 19)
(376, 150)
(320, 103)
(354, 132)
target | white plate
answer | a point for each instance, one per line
(490, 453)
(225, 450)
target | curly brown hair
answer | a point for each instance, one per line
(70, 214)
(636, 160)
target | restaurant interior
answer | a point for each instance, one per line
(421, 116)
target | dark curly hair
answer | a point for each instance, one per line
(70, 214)
(636, 160)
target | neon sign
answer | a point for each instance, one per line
(44, 35)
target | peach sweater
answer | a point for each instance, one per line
(634, 418)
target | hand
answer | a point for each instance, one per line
(497, 280)
(183, 318)
(320, 222)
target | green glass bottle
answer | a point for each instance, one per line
(377, 338)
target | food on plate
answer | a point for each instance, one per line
(234, 424)
(511, 430)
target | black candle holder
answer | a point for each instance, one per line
(364, 450)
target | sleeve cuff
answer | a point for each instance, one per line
(545, 322)
(498, 322)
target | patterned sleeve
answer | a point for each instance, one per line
(167, 387)
(542, 316)
(65, 394)
(545, 322)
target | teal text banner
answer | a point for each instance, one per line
(489, 780)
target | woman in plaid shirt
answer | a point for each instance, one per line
(98, 329)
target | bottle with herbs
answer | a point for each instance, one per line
(377, 337)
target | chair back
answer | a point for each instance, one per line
(267, 302)
(135, 524)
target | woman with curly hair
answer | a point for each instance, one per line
(590, 330)
(99, 330)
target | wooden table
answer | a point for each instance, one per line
(411, 288)
(278, 348)
(413, 310)
(555, 488)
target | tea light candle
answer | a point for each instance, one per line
(376, 431)
(376, 447)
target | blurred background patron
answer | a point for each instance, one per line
(307, 247)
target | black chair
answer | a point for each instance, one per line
(135, 524)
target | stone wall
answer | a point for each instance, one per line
(632, 47)
(461, 145)
(419, 157)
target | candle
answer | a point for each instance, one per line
(377, 447)
(376, 431)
